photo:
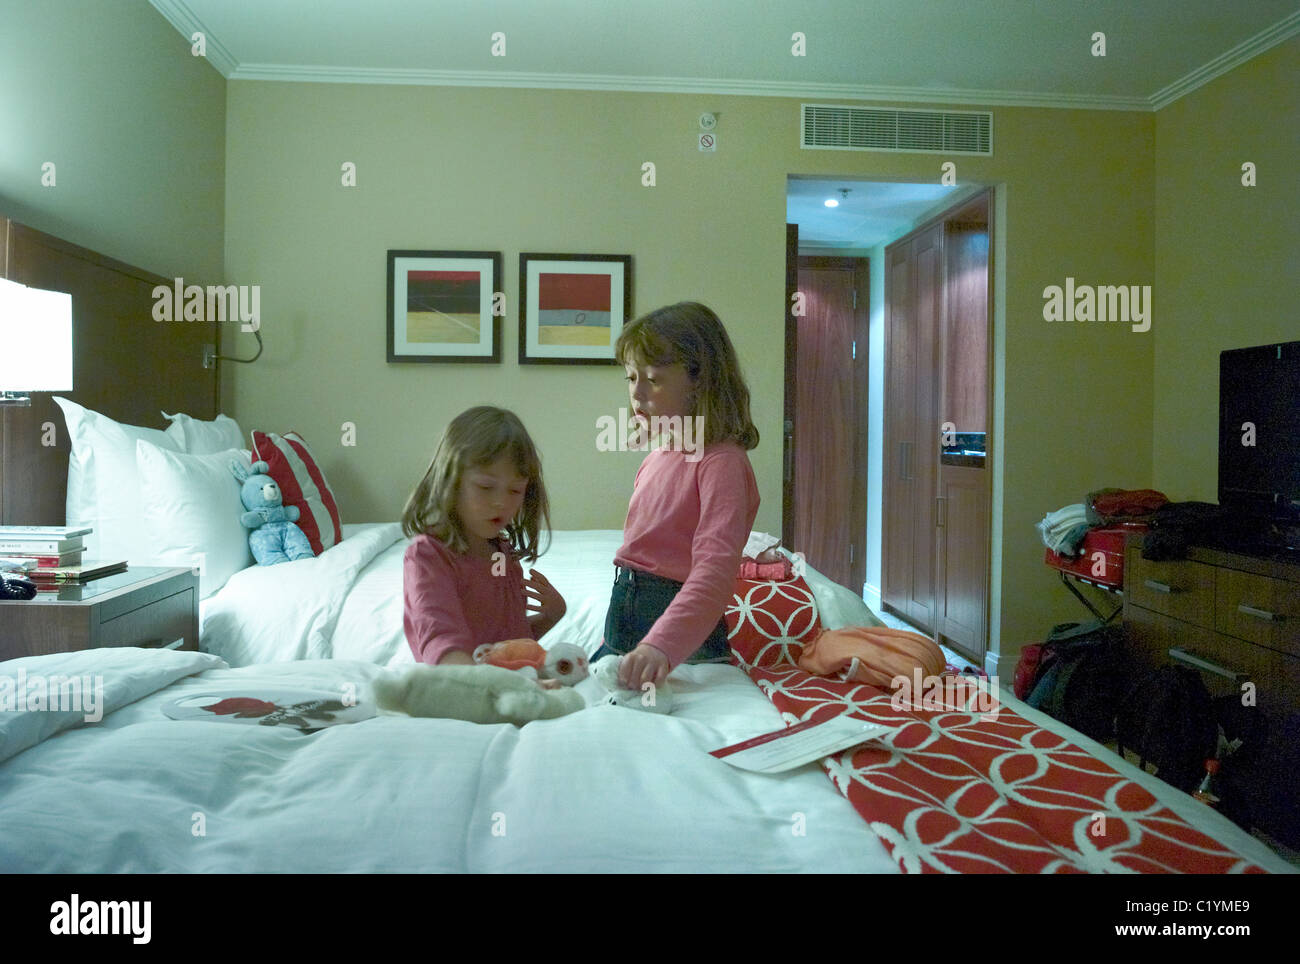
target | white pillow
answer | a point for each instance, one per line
(202, 438)
(191, 512)
(104, 482)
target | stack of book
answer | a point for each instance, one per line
(51, 556)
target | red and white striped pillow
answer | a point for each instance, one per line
(303, 484)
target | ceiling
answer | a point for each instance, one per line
(990, 52)
(1039, 53)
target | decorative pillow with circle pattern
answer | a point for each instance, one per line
(768, 622)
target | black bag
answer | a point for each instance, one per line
(1260, 783)
(1239, 769)
(1168, 719)
(1176, 526)
(1083, 674)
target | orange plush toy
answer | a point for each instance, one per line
(564, 661)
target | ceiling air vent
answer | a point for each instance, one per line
(842, 128)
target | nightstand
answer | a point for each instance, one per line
(139, 607)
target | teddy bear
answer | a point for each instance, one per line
(656, 699)
(563, 662)
(275, 537)
(478, 694)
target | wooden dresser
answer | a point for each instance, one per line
(1238, 613)
(1237, 617)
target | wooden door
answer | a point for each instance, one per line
(964, 490)
(830, 421)
(915, 306)
(900, 429)
(928, 267)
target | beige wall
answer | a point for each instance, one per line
(134, 124)
(1227, 256)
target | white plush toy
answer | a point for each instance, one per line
(479, 694)
(656, 699)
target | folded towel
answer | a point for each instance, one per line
(1064, 529)
(759, 542)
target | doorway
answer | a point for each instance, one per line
(836, 469)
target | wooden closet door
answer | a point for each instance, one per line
(963, 489)
(927, 259)
(900, 375)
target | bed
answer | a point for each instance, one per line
(601, 790)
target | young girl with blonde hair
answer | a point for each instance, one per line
(691, 512)
(462, 582)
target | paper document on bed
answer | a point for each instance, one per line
(303, 709)
(799, 744)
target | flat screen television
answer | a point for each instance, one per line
(1259, 437)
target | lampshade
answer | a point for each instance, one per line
(35, 339)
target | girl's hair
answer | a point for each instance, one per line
(691, 335)
(478, 437)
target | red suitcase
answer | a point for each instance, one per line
(1101, 557)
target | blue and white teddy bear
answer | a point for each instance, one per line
(274, 538)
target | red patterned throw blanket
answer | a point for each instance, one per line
(957, 790)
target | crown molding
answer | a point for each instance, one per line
(183, 19)
(1283, 30)
(681, 85)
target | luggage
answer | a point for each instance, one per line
(1084, 672)
(1167, 718)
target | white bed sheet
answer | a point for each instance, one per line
(606, 789)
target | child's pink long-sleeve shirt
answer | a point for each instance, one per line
(453, 601)
(689, 521)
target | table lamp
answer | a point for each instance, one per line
(35, 342)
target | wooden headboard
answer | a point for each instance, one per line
(125, 365)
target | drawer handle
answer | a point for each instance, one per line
(1158, 586)
(1261, 613)
(1200, 662)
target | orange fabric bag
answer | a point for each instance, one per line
(882, 653)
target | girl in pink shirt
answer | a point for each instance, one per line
(462, 582)
(695, 498)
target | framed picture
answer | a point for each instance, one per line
(572, 307)
(440, 306)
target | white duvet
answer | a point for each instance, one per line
(347, 602)
(605, 789)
